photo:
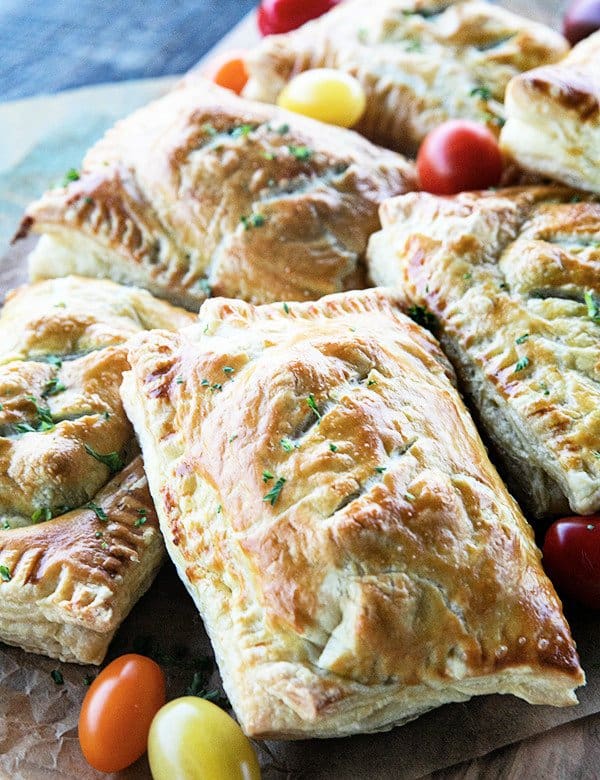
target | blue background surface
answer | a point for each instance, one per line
(50, 45)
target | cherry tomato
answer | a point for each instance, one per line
(281, 16)
(326, 94)
(193, 739)
(117, 712)
(459, 155)
(572, 558)
(228, 70)
(581, 19)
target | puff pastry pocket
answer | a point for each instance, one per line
(203, 191)
(330, 506)
(512, 279)
(553, 117)
(75, 552)
(420, 61)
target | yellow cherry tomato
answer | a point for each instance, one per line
(326, 94)
(192, 739)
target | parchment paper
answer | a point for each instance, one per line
(42, 138)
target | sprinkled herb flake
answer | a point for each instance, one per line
(179, 380)
(267, 476)
(333, 447)
(5, 574)
(468, 276)
(209, 129)
(5, 525)
(380, 469)
(283, 129)
(253, 221)
(71, 175)
(522, 364)
(106, 415)
(288, 445)
(228, 369)
(233, 437)
(241, 131)
(98, 511)
(205, 287)
(41, 515)
(286, 308)
(313, 405)
(414, 45)
(113, 460)
(205, 383)
(57, 677)
(593, 306)
(371, 382)
(273, 494)
(409, 497)
(522, 339)
(53, 387)
(300, 152)
(484, 93)
(142, 517)
(267, 155)
(422, 316)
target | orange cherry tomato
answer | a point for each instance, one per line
(117, 712)
(228, 70)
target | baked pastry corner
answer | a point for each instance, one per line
(331, 509)
(553, 118)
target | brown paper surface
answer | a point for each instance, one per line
(38, 718)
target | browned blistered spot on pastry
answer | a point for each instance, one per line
(576, 91)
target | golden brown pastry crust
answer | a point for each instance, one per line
(203, 190)
(328, 502)
(513, 280)
(63, 432)
(421, 62)
(553, 118)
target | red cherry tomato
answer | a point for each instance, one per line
(117, 712)
(228, 70)
(281, 16)
(581, 19)
(459, 155)
(572, 558)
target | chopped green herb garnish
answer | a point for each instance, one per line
(56, 675)
(409, 497)
(88, 201)
(5, 525)
(44, 421)
(142, 519)
(89, 679)
(98, 535)
(422, 316)
(313, 405)
(219, 509)
(468, 275)
(253, 221)
(5, 573)
(60, 305)
(522, 364)
(485, 93)
(288, 445)
(105, 545)
(286, 308)
(41, 515)
(242, 131)
(209, 129)
(228, 369)
(593, 306)
(205, 383)
(522, 339)
(283, 129)
(98, 511)
(275, 491)
(113, 460)
(205, 286)
(414, 45)
(233, 437)
(267, 155)
(179, 380)
(380, 469)
(300, 152)
(371, 382)
(106, 415)
(216, 386)
(333, 447)
(53, 387)
(267, 476)
(71, 175)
